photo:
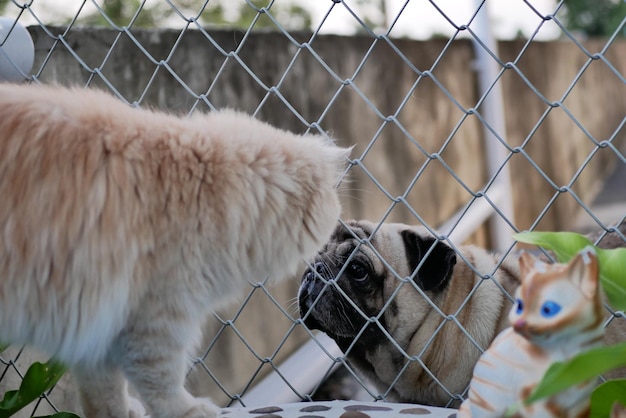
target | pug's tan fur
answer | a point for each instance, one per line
(121, 228)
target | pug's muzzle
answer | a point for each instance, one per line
(329, 305)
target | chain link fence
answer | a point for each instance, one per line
(474, 138)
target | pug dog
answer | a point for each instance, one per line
(411, 313)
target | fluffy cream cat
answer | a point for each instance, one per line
(122, 228)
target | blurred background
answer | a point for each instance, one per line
(477, 119)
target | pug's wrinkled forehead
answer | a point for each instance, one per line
(393, 246)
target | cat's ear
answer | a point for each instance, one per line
(584, 271)
(527, 263)
(436, 271)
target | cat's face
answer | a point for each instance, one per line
(556, 301)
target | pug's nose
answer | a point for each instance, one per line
(310, 274)
(319, 267)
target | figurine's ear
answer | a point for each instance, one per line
(618, 410)
(436, 271)
(584, 271)
(527, 263)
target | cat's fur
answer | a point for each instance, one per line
(558, 313)
(121, 228)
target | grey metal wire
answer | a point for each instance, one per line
(361, 162)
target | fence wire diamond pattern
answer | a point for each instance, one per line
(471, 138)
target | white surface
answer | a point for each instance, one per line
(337, 409)
(329, 409)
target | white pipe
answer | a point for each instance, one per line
(304, 369)
(471, 219)
(492, 110)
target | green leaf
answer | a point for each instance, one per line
(512, 411)
(38, 379)
(613, 275)
(583, 367)
(605, 395)
(41, 377)
(566, 245)
(4, 347)
(8, 404)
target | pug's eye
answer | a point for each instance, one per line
(357, 271)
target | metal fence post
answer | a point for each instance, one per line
(492, 110)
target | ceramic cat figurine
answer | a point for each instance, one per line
(558, 313)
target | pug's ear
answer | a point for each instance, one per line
(436, 271)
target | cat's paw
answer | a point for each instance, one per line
(202, 408)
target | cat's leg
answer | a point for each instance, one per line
(156, 367)
(103, 393)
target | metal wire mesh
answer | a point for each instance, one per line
(375, 90)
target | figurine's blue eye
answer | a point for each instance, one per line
(519, 306)
(549, 309)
